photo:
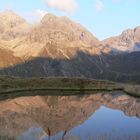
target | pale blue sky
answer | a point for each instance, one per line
(104, 18)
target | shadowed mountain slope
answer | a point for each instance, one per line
(122, 67)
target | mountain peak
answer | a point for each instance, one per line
(137, 28)
(128, 41)
(10, 16)
(12, 25)
(62, 32)
(128, 32)
(8, 12)
(48, 18)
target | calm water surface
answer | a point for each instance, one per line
(91, 117)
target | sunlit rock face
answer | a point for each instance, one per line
(13, 29)
(7, 58)
(63, 32)
(58, 114)
(128, 41)
(58, 37)
(50, 38)
(12, 26)
(54, 37)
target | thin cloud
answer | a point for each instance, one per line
(63, 5)
(118, 1)
(34, 16)
(99, 5)
(40, 13)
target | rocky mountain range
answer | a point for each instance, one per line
(128, 41)
(58, 46)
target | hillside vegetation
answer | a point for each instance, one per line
(11, 87)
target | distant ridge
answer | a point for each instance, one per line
(128, 41)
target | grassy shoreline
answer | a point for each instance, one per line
(11, 87)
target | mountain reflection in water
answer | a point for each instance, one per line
(99, 116)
